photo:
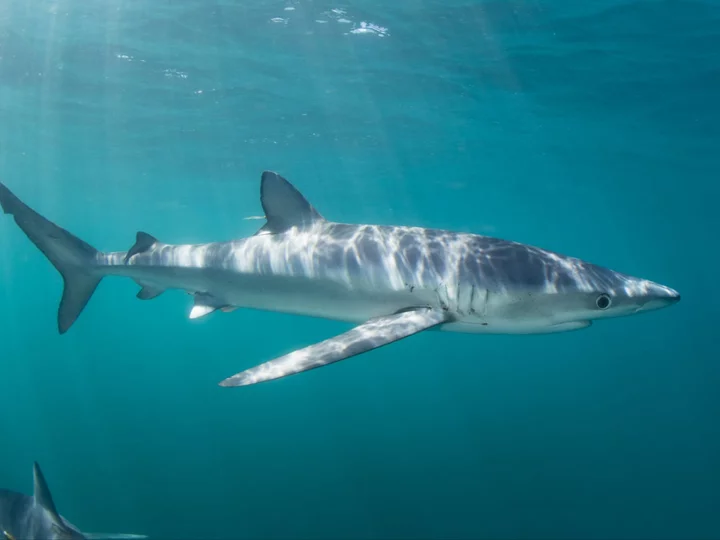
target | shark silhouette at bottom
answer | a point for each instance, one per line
(25, 517)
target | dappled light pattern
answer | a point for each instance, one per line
(459, 272)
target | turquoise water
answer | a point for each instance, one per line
(589, 128)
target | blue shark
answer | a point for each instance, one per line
(390, 281)
(24, 517)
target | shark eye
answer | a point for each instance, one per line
(603, 301)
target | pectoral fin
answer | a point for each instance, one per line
(370, 335)
(113, 536)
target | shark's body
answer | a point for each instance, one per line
(25, 517)
(392, 281)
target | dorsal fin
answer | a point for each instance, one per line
(143, 242)
(284, 206)
(42, 494)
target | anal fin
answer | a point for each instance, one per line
(370, 335)
(148, 292)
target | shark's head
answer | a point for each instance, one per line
(579, 292)
(603, 293)
(547, 292)
(634, 295)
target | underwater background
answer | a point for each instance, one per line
(589, 128)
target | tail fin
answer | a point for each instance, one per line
(72, 257)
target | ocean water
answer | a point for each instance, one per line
(590, 128)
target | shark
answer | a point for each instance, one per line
(23, 517)
(389, 282)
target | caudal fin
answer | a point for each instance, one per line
(72, 257)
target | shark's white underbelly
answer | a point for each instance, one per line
(339, 293)
(353, 301)
(288, 294)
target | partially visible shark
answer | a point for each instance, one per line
(391, 281)
(24, 517)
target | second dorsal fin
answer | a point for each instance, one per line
(285, 207)
(143, 242)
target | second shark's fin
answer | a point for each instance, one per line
(43, 498)
(42, 494)
(205, 304)
(143, 242)
(365, 337)
(284, 206)
(72, 257)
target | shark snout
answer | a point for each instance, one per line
(658, 296)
